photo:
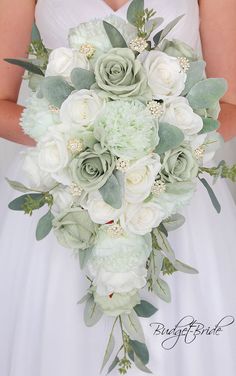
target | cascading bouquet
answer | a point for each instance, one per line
(124, 127)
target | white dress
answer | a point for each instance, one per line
(41, 326)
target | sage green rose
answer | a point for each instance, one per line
(179, 165)
(177, 48)
(91, 169)
(116, 304)
(119, 75)
(74, 229)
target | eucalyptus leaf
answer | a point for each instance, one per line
(145, 309)
(92, 313)
(162, 290)
(82, 78)
(84, 298)
(163, 33)
(44, 225)
(139, 364)
(164, 245)
(26, 64)
(115, 37)
(18, 203)
(170, 137)
(84, 256)
(153, 23)
(158, 259)
(209, 125)
(140, 350)
(181, 267)
(162, 228)
(113, 364)
(111, 192)
(174, 222)
(206, 93)
(194, 75)
(35, 34)
(132, 325)
(18, 186)
(136, 7)
(55, 90)
(109, 351)
(212, 195)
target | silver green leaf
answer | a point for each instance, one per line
(162, 290)
(44, 225)
(139, 364)
(111, 192)
(17, 203)
(92, 313)
(170, 137)
(206, 93)
(84, 256)
(145, 309)
(23, 63)
(181, 267)
(115, 37)
(35, 34)
(18, 186)
(113, 364)
(212, 195)
(140, 350)
(163, 33)
(136, 7)
(132, 325)
(194, 75)
(82, 78)
(174, 222)
(164, 245)
(55, 90)
(209, 125)
(84, 298)
(109, 351)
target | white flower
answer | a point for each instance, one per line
(80, 109)
(37, 179)
(62, 200)
(117, 265)
(142, 218)
(209, 143)
(63, 60)
(116, 304)
(165, 76)
(99, 211)
(37, 117)
(93, 33)
(140, 177)
(53, 153)
(179, 113)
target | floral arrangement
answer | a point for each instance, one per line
(124, 127)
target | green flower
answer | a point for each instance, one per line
(178, 48)
(116, 304)
(127, 129)
(91, 169)
(74, 229)
(120, 75)
(179, 165)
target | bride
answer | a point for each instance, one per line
(41, 327)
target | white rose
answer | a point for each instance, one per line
(62, 200)
(36, 178)
(99, 211)
(142, 218)
(118, 264)
(179, 113)
(80, 108)
(53, 154)
(63, 60)
(164, 73)
(140, 177)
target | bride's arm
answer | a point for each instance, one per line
(16, 19)
(218, 33)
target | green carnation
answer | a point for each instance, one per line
(179, 165)
(120, 75)
(91, 169)
(74, 229)
(127, 129)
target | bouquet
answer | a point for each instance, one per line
(124, 127)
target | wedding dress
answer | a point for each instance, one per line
(42, 332)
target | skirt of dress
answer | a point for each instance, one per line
(42, 332)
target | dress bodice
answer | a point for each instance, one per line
(55, 17)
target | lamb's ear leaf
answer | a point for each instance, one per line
(55, 89)
(184, 268)
(206, 93)
(170, 137)
(115, 37)
(92, 313)
(212, 195)
(163, 33)
(18, 186)
(162, 290)
(209, 125)
(194, 75)
(26, 64)
(82, 78)
(44, 225)
(135, 8)
(111, 192)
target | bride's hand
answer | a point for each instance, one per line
(218, 34)
(16, 20)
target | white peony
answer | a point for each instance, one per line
(142, 218)
(179, 113)
(36, 178)
(118, 264)
(140, 177)
(80, 109)
(165, 77)
(53, 154)
(116, 304)
(63, 60)
(99, 211)
(93, 33)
